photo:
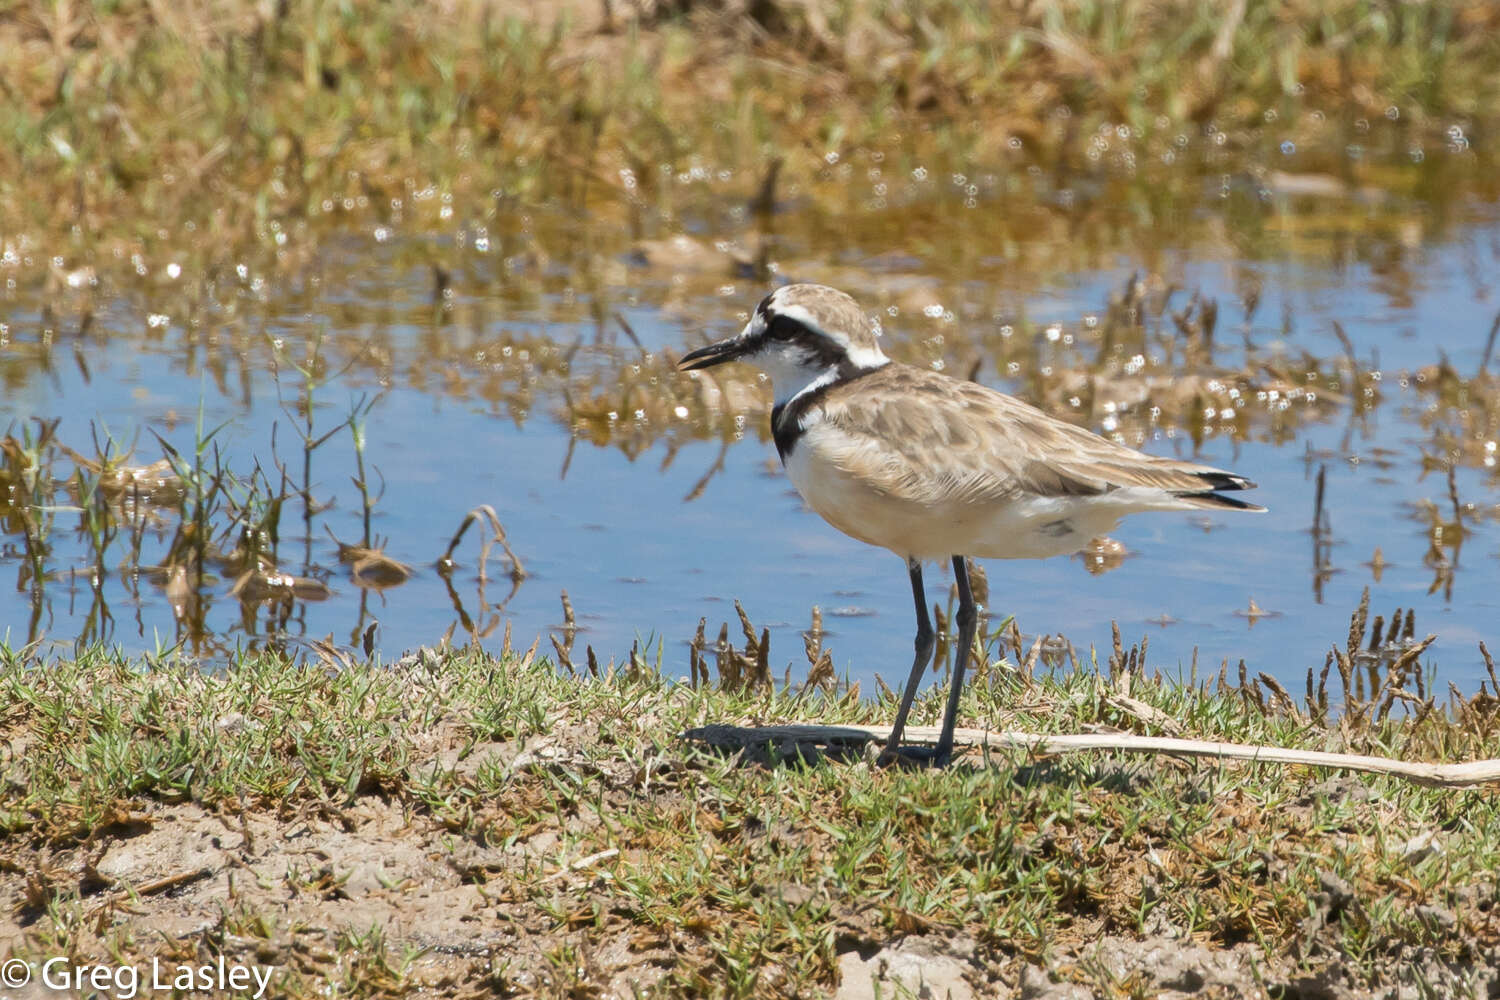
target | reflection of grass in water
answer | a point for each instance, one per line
(213, 522)
(571, 809)
(1153, 361)
(288, 128)
(29, 491)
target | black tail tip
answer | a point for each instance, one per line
(1230, 503)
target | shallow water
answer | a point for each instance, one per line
(497, 391)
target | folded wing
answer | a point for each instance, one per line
(932, 439)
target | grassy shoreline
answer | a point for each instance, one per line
(253, 132)
(463, 824)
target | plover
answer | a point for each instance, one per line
(933, 468)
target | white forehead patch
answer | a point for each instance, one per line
(755, 327)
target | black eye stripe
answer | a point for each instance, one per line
(786, 328)
(818, 348)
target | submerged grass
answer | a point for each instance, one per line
(587, 847)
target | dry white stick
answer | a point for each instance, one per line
(1463, 775)
(1149, 714)
(582, 863)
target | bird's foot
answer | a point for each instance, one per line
(914, 757)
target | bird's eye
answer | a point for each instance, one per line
(783, 328)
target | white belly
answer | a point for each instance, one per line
(1021, 528)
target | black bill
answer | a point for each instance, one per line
(713, 354)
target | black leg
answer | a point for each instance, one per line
(926, 639)
(968, 617)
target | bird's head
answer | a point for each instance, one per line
(800, 334)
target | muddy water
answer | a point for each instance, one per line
(523, 361)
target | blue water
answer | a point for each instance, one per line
(639, 561)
